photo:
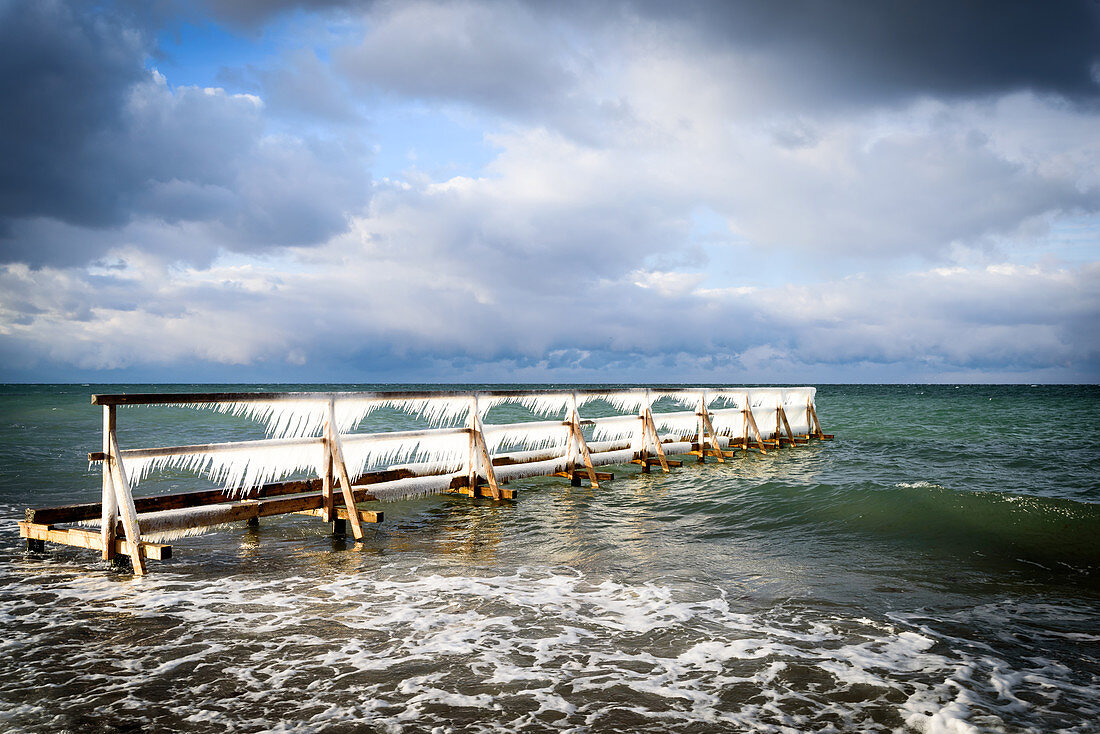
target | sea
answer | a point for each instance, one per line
(934, 568)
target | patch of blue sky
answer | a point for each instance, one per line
(438, 142)
(1074, 240)
(193, 54)
(731, 261)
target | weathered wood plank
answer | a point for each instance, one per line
(108, 514)
(341, 513)
(244, 397)
(90, 540)
(125, 501)
(342, 469)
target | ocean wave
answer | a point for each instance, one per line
(412, 649)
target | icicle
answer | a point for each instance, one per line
(687, 398)
(726, 398)
(517, 436)
(794, 407)
(677, 424)
(441, 411)
(729, 422)
(616, 427)
(374, 451)
(245, 466)
(283, 418)
(551, 404)
(401, 489)
(619, 456)
(531, 469)
(624, 402)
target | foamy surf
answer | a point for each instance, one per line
(540, 649)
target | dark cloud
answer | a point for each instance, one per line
(65, 74)
(90, 138)
(887, 48)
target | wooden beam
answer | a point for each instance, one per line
(602, 476)
(125, 501)
(582, 445)
(246, 397)
(108, 515)
(782, 415)
(486, 461)
(484, 491)
(718, 453)
(90, 540)
(751, 421)
(341, 513)
(652, 427)
(816, 425)
(341, 466)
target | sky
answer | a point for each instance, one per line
(490, 191)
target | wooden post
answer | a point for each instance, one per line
(329, 506)
(701, 428)
(648, 423)
(479, 454)
(786, 425)
(713, 435)
(109, 516)
(471, 424)
(341, 465)
(778, 422)
(751, 423)
(577, 439)
(815, 426)
(124, 500)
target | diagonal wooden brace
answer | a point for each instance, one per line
(651, 427)
(124, 500)
(337, 453)
(751, 421)
(714, 438)
(786, 426)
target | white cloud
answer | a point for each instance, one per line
(905, 235)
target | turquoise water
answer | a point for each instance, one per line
(935, 568)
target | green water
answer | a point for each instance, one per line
(932, 569)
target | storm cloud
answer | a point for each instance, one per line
(491, 190)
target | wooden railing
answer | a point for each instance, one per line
(320, 425)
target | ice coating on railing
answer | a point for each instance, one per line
(239, 468)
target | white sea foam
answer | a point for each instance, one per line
(406, 649)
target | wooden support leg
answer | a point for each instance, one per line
(339, 527)
(36, 545)
(701, 439)
(582, 446)
(751, 420)
(342, 468)
(109, 515)
(125, 501)
(656, 440)
(718, 453)
(487, 461)
(329, 503)
(253, 522)
(816, 425)
(786, 426)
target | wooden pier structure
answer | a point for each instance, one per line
(313, 437)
